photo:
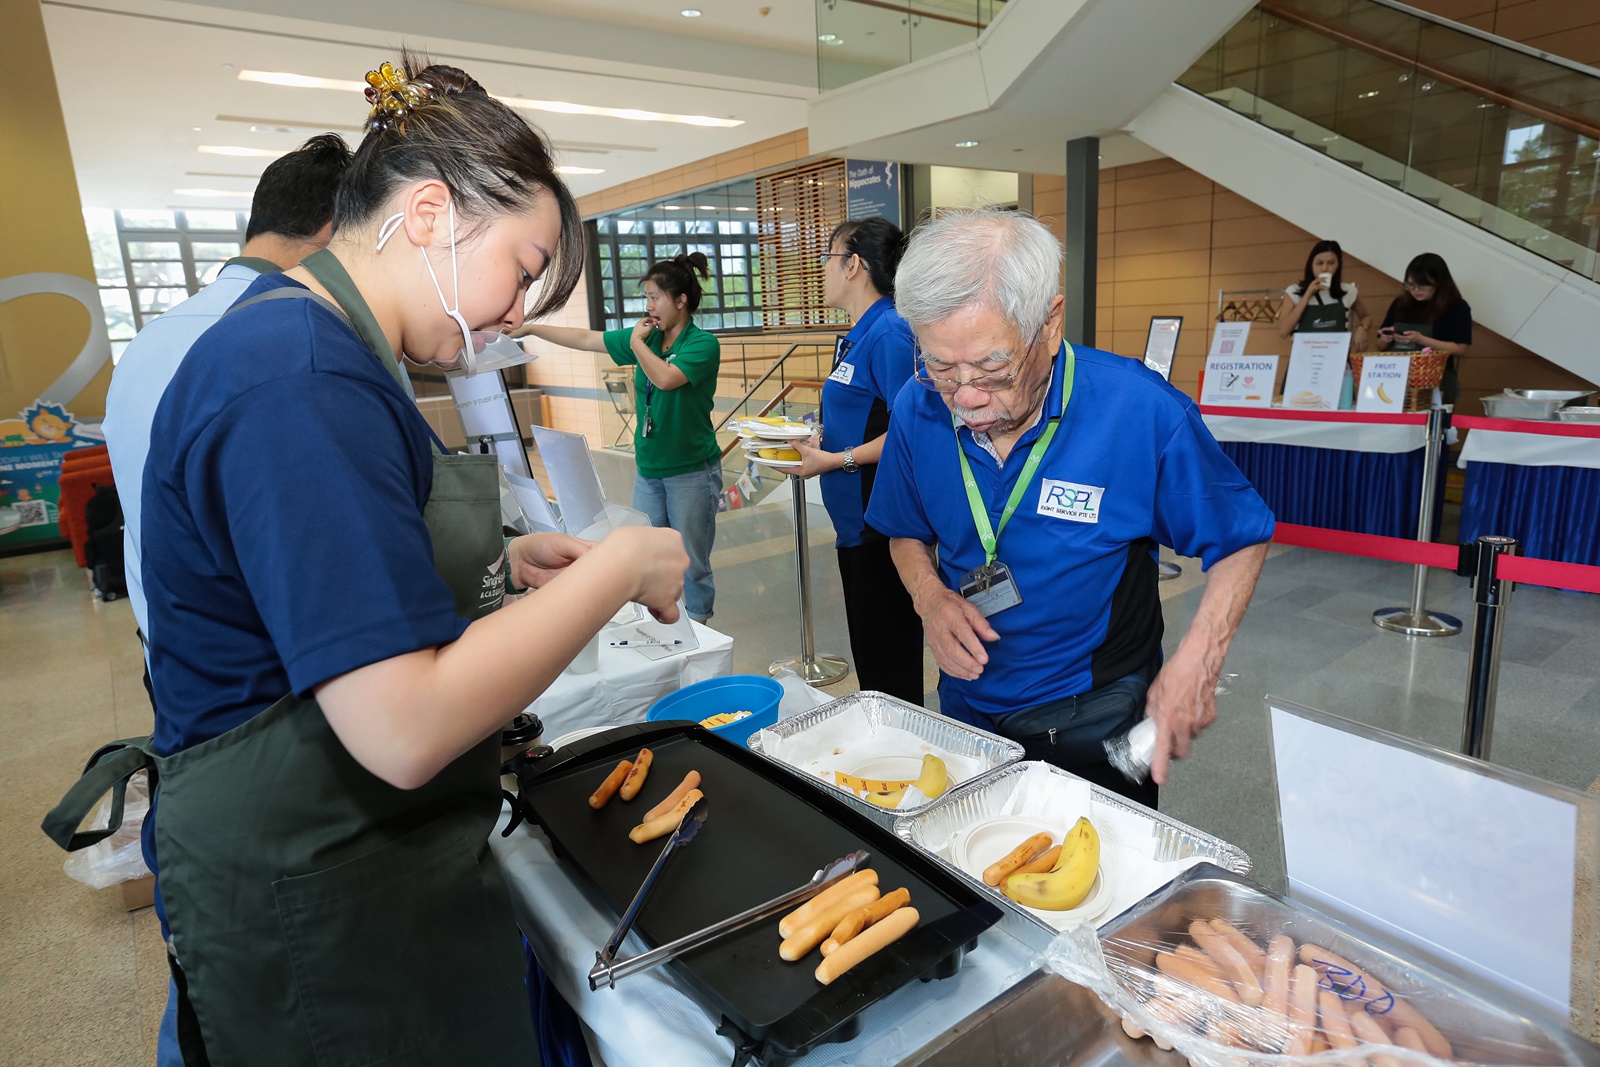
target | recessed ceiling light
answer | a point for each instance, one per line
(239, 150)
(1368, 95)
(209, 192)
(741, 207)
(691, 12)
(196, 129)
(830, 38)
(966, 144)
(559, 107)
(580, 170)
(672, 207)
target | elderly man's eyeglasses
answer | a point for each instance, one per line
(988, 383)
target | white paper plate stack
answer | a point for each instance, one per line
(772, 432)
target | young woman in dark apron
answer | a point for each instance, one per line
(332, 671)
(1322, 301)
(1430, 313)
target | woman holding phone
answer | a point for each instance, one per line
(1322, 301)
(1430, 313)
(679, 462)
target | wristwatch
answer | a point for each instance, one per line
(850, 464)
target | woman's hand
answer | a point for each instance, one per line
(813, 460)
(1415, 338)
(1314, 288)
(654, 559)
(641, 330)
(536, 558)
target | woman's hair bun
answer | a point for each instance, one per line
(695, 261)
(443, 79)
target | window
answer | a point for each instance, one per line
(712, 222)
(148, 261)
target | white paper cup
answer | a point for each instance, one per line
(587, 660)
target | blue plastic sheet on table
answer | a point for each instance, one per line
(1553, 512)
(1335, 489)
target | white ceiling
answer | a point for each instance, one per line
(137, 76)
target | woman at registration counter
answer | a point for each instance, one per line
(1322, 301)
(330, 672)
(679, 480)
(870, 365)
(1430, 313)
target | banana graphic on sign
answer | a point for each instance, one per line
(1383, 396)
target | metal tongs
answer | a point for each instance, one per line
(608, 970)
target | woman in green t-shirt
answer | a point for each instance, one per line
(680, 463)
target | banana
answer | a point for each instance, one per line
(866, 785)
(935, 777)
(1067, 884)
(786, 454)
(770, 420)
(1383, 396)
(890, 799)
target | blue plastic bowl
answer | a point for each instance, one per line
(737, 692)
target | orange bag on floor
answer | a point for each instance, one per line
(77, 487)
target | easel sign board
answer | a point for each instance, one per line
(1240, 381)
(1228, 339)
(1161, 344)
(1316, 371)
(485, 410)
(1383, 383)
(572, 476)
(1476, 865)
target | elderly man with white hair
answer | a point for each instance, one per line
(1025, 486)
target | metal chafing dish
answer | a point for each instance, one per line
(1579, 414)
(884, 710)
(1485, 1024)
(1508, 405)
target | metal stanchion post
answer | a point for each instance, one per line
(813, 669)
(1416, 620)
(1490, 596)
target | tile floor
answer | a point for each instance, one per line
(82, 982)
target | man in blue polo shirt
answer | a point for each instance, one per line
(290, 217)
(1025, 486)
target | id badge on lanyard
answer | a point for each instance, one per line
(992, 588)
(648, 427)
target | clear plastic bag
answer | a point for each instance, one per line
(1238, 996)
(119, 857)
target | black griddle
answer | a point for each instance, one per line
(768, 831)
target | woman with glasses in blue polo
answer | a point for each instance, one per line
(870, 364)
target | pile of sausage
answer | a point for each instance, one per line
(1281, 998)
(628, 778)
(849, 921)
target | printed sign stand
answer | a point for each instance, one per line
(1383, 383)
(1240, 381)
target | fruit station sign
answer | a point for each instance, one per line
(1383, 383)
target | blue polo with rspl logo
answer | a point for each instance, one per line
(1131, 467)
(856, 400)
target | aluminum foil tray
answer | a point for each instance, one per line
(985, 797)
(1485, 1024)
(1510, 406)
(1591, 415)
(884, 710)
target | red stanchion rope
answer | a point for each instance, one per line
(1417, 418)
(1523, 569)
(1549, 573)
(1372, 546)
(1549, 429)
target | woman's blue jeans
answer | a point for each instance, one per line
(687, 503)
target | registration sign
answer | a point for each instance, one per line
(1240, 381)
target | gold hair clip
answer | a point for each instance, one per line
(393, 96)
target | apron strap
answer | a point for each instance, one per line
(108, 770)
(290, 293)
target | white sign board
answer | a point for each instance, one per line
(1240, 381)
(1473, 863)
(572, 475)
(535, 505)
(1316, 371)
(1383, 383)
(485, 410)
(1228, 339)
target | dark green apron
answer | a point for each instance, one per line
(1323, 318)
(318, 914)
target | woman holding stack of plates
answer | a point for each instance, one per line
(680, 463)
(870, 364)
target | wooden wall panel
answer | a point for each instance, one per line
(1170, 240)
(1569, 28)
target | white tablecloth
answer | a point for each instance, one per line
(627, 683)
(647, 1021)
(1529, 449)
(1346, 436)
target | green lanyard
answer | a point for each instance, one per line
(988, 535)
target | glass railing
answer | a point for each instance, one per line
(859, 38)
(1504, 137)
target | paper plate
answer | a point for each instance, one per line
(787, 432)
(777, 464)
(892, 769)
(974, 848)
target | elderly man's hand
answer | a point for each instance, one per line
(1182, 701)
(955, 630)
